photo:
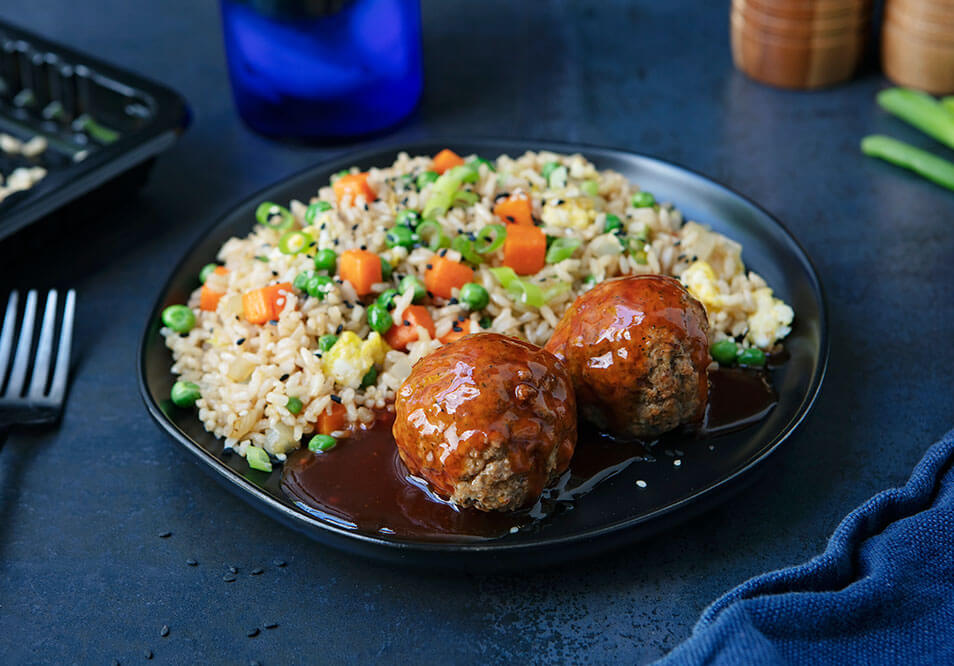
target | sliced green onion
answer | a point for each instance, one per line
(640, 257)
(326, 342)
(370, 377)
(294, 242)
(613, 224)
(562, 248)
(558, 177)
(431, 233)
(923, 163)
(426, 178)
(920, 110)
(294, 405)
(267, 211)
(477, 161)
(322, 443)
(206, 271)
(256, 458)
(315, 209)
(446, 188)
(590, 188)
(490, 238)
(523, 291)
(386, 269)
(465, 197)
(465, 246)
(548, 169)
(590, 281)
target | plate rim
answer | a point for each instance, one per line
(300, 520)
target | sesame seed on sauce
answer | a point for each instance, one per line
(456, 327)
(407, 323)
(511, 219)
(336, 398)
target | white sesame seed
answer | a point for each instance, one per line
(514, 529)
(641, 483)
(677, 462)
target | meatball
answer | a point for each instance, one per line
(637, 351)
(487, 420)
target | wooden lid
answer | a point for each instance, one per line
(911, 60)
(801, 27)
(802, 9)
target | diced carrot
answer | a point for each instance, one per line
(361, 268)
(446, 274)
(525, 249)
(332, 418)
(515, 209)
(446, 159)
(354, 185)
(263, 305)
(221, 270)
(454, 334)
(404, 332)
(209, 298)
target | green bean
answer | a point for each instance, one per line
(923, 163)
(921, 110)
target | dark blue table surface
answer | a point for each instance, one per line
(84, 576)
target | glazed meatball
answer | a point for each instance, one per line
(637, 351)
(487, 420)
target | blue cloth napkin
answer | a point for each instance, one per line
(881, 593)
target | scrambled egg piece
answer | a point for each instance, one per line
(351, 357)
(771, 321)
(701, 281)
(575, 213)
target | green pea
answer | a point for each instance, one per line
(613, 224)
(386, 269)
(322, 443)
(474, 296)
(326, 342)
(400, 236)
(407, 218)
(643, 200)
(294, 405)
(426, 178)
(753, 357)
(386, 299)
(315, 209)
(206, 271)
(184, 394)
(301, 281)
(370, 377)
(179, 318)
(257, 458)
(412, 282)
(379, 319)
(325, 260)
(724, 352)
(486, 321)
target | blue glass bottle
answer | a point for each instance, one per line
(323, 69)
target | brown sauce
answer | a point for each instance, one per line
(363, 485)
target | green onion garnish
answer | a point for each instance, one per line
(490, 238)
(294, 242)
(432, 234)
(314, 209)
(256, 458)
(268, 211)
(465, 246)
(562, 248)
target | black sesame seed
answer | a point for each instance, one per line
(283, 377)
(502, 195)
(228, 578)
(240, 341)
(430, 294)
(339, 280)
(115, 662)
(273, 321)
(364, 247)
(511, 219)
(559, 202)
(233, 570)
(429, 266)
(147, 653)
(275, 273)
(336, 241)
(279, 563)
(443, 252)
(165, 535)
(271, 625)
(461, 318)
(191, 562)
(453, 301)
(257, 571)
(252, 633)
(354, 227)
(366, 206)
(339, 329)
(407, 323)
(336, 398)
(323, 225)
(164, 631)
(456, 327)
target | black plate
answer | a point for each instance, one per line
(618, 510)
(99, 121)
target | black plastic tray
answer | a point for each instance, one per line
(99, 121)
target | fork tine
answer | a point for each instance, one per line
(44, 348)
(6, 334)
(25, 344)
(62, 370)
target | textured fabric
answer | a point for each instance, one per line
(881, 593)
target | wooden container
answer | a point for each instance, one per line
(799, 43)
(917, 44)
